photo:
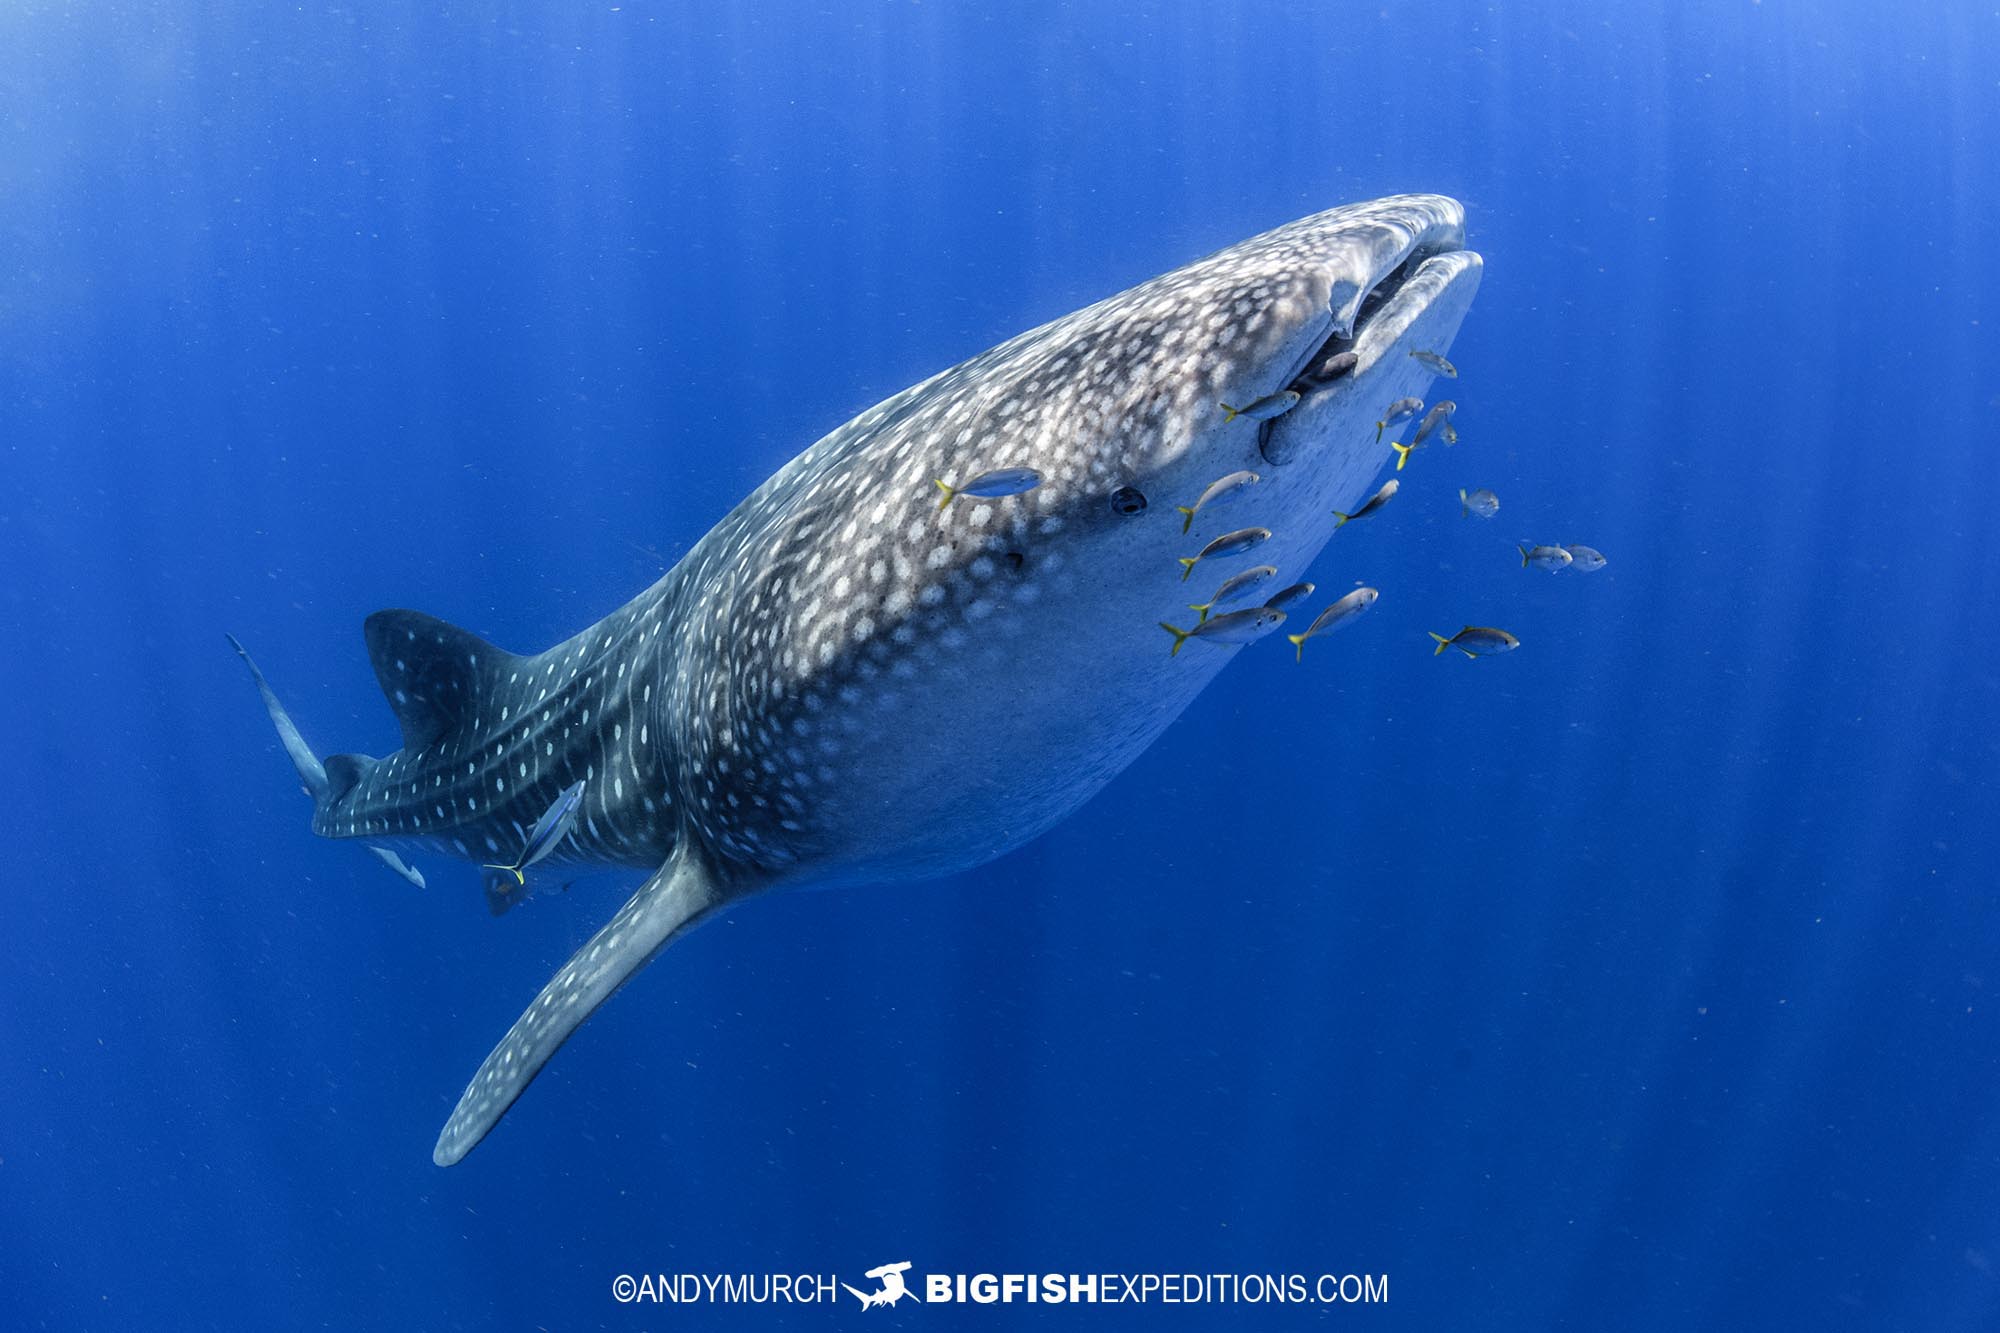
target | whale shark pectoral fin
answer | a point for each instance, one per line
(430, 671)
(677, 897)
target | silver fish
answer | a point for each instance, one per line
(1220, 491)
(1265, 408)
(1233, 627)
(1399, 411)
(1478, 641)
(548, 832)
(1331, 369)
(1440, 414)
(1436, 362)
(1551, 558)
(1235, 588)
(1585, 559)
(1287, 598)
(1482, 502)
(992, 485)
(1375, 502)
(1229, 543)
(1340, 613)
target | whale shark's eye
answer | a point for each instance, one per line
(1127, 501)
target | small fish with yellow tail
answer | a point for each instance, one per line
(1219, 492)
(1235, 588)
(1399, 411)
(1482, 502)
(994, 485)
(548, 832)
(1433, 361)
(1337, 366)
(1287, 598)
(1340, 613)
(1440, 415)
(1229, 543)
(1375, 502)
(1552, 558)
(1233, 627)
(1270, 406)
(1478, 641)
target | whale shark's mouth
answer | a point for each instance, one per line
(1395, 283)
(1417, 291)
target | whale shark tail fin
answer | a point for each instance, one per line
(677, 897)
(431, 672)
(322, 781)
(312, 774)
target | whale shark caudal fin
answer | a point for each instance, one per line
(430, 671)
(313, 774)
(677, 897)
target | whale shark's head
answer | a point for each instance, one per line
(1133, 391)
(881, 643)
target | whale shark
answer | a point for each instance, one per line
(845, 682)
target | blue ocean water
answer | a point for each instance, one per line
(1637, 980)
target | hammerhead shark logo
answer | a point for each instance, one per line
(893, 1288)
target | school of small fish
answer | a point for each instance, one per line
(1217, 626)
(1248, 624)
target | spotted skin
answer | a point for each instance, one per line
(844, 683)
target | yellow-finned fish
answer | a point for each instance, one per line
(1229, 543)
(1551, 558)
(1286, 598)
(1439, 415)
(1375, 502)
(1399, 411)
(1331, 369)
(548, 832)
(1232, 627)
(1235, 588)
(1265, 408)
(1478, 641)
(992, 485)
(1436, 362)
(1219, 492)
(1482, 502)
(1340, 613)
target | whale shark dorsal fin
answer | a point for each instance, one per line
(430, 670)
(676, 898)
(343, 773)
